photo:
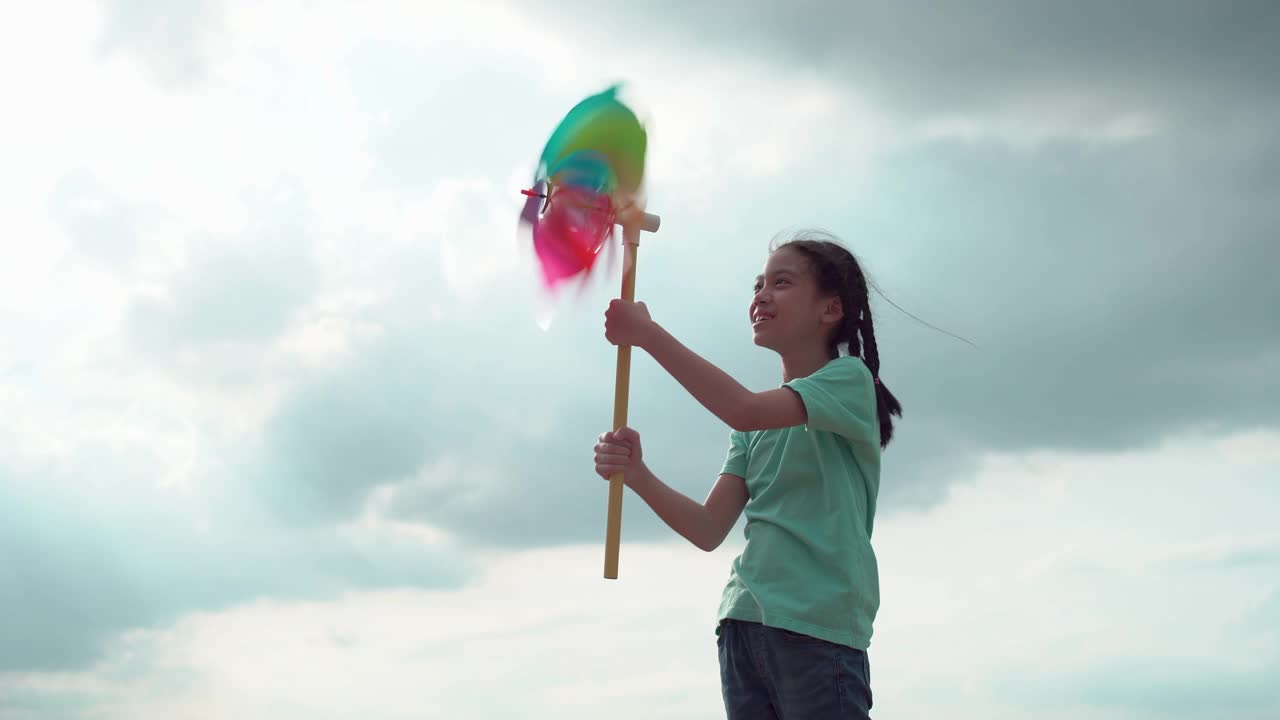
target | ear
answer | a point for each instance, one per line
(833, 311)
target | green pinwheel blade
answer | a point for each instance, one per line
(601, 124)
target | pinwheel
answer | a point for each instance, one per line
(588, 180)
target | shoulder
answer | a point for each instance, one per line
(844, 370)
(840, 398)
(846, 364)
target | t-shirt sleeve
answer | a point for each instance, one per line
(735, 461)
(840, 398)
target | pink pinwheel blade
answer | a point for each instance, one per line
(568, 237)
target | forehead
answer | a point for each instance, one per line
(786, 260)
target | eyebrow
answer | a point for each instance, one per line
(783, 271)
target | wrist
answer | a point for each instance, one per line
(653, 333)
(639, 477)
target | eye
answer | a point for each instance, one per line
(779, 281)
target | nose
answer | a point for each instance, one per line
(758, 301)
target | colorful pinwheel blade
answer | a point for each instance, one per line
(592, 165)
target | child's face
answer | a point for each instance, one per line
(787, 312)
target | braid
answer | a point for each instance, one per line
(886, 404)
(872, 354)
(856, 309)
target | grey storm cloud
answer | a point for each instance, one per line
(974, 53)
(1116, 298)
(77, 573)
(1119, 291)
(430, 391)
(344, 433)
(1118, 294)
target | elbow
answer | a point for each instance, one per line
(710, 542)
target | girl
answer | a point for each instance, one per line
(804, 464)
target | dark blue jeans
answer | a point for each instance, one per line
(773, 674)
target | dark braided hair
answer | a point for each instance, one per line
(837, 272)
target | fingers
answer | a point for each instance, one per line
(608, 471)
(614, 452)
(621, 435)
(610, 464)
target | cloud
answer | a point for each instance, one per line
(1091, 291)
(231, 296)
(103, 226)
(464, 446)
(1162, 688)
(1086, 265)
(427, 652)
(978, 54)
(979, 621)
(1094, 214)
(299, 357)
(1240, 553)
(124, 499)
(173, 40)
(86, 562)
(459, 392)
(1117, 295)
(330, 441)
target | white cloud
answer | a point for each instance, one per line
(1052, 566)
(330, 329)
(542, 627)
(173, 40)
(1042, 571)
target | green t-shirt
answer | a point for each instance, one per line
(808, 566)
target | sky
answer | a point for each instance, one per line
(284, 439)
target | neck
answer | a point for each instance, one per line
(803, 362)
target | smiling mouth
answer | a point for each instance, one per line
(761, 320)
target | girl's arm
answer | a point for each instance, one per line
(706, 525)
(726, 398)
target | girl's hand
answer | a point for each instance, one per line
(628, 323)
(619, 452)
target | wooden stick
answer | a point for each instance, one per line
(613, 527)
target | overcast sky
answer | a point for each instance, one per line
(283, 439)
